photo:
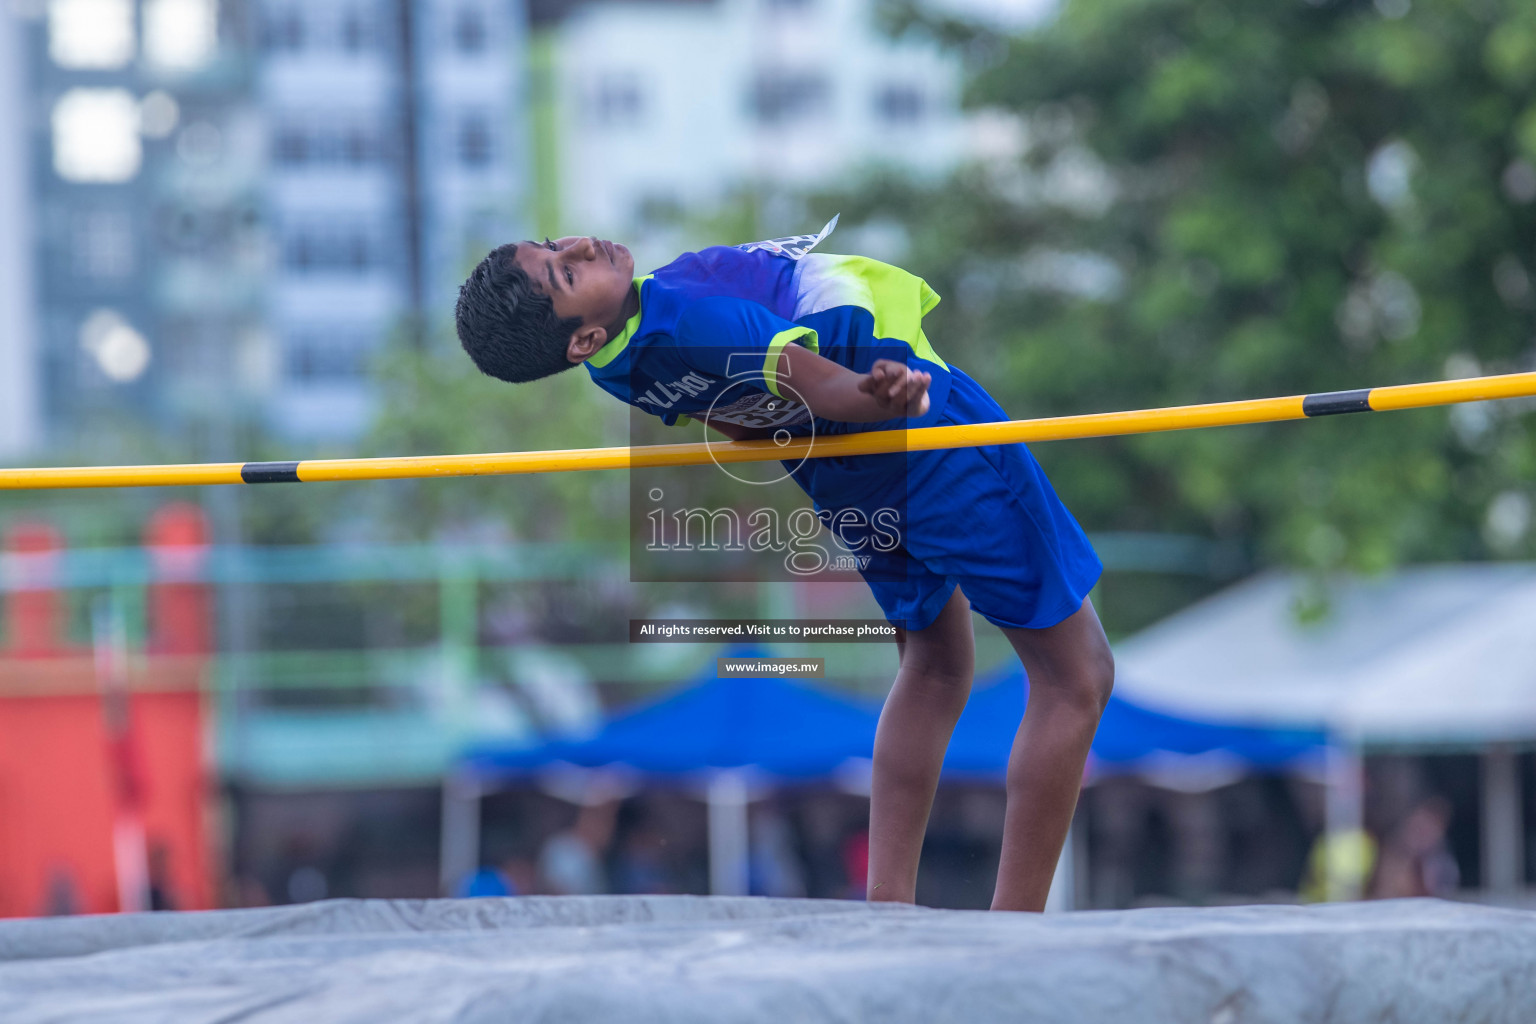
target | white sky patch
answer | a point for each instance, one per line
(1389, 175)
(1000, 14)
(1459, 365)
(1086, 274)
(1382, 306)
(1520, 181)
(1078, 180)
(96, 136)
(1509, 520)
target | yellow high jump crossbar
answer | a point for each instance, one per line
(1056, 428)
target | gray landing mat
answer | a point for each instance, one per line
(685, 958)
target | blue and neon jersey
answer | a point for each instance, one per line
(712, 325)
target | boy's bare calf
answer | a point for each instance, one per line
(1071, 673)
(931, 688)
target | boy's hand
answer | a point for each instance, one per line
(896, 387)
(834, 392)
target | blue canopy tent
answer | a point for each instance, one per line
(720, 731)
(715, 731)
(786, 730)
(1130, 738)
(772, 726)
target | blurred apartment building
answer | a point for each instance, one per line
(227, 206)
(142, 251)
(396, 158)
(669, 108)
(18, 333)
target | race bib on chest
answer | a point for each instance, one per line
(762, 410)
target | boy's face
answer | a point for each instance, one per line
(584, 277)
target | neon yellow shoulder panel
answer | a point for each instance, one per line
(899, 300)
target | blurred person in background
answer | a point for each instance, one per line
(1415, 859)
(63, 892)
(855, 853)
(640, 864)
(571, 860)
(298, 874)
(774, 860)
(161, 895)
(247, 891)
(1339, 866)
(510, 875)
(487, 881)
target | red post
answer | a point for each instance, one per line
(34, 615)
(180, 612)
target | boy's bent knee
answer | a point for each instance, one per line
(1085, 681)
(1094, 677)
(1073, 662)
(946, 651)
(1102, 677)
(941, 667)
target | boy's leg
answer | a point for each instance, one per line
(931, 688)
(1071, 673)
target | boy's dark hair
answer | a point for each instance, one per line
(509, 328)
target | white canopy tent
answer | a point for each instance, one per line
(1433, 657)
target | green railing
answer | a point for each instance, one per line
(367, 712)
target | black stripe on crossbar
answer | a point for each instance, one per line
(270, 472)
(1332, 403)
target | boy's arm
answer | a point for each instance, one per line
(834, 392)
(716, 332)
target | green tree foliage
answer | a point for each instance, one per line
(430, 400)
(1218, 199)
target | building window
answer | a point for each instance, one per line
(474, 141)
(469, 30)
(333, 249)
(290, 147)
(330, 357)
(181, 35)
(190, 231)
(96, 136)
(95, 34)
(285, 30)
(899, 104)
(102, 245)
(360, 146)
(781, 98)
(297, 253)
(615, 100)
(358, 30)
(300, 144)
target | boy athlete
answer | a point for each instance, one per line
(760, 339)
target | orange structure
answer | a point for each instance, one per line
(72, 767)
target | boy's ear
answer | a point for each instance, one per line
(584, 343)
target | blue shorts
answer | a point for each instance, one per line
(983, 518)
